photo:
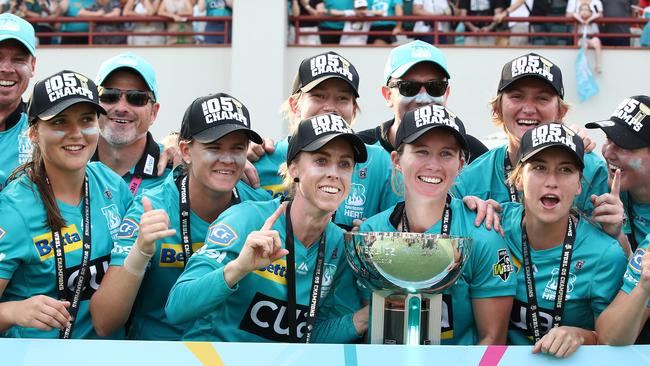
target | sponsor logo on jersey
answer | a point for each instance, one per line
(221, 234)
(70, 238)
(96, 270)
(502, 268)
(302, 268)
(363, 173)
(148, 165)
(551, 285)
(266, 317)
(2, 232)
(335, 253)
(519, 319)
(276, 272)
(128, 229)
(215, 254)
(635, 261)
(275, 190)
(108, 194)
(172, 255)
(580, 264)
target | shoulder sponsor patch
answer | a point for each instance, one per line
(221, 234)
(503, 267)
(128, 228)
(635, 261)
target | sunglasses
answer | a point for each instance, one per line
(408, 88)
(136, 98)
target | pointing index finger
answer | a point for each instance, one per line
(616, 183)
(268, 224)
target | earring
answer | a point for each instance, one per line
(296, 180)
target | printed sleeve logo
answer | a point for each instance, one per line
(503, 267)
(635, 262)
(222, 234)
(128, 229)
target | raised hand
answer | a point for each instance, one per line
(608, 208)
(590, 144)
(41, 312)
(256, 151)
(154, 225)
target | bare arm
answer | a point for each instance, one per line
(622, 321)
(491, 316)
(111, 305)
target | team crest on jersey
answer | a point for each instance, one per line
(108, 194)
(502, 268)
(128, 229)
(551, 285)
(355, 202)
(580, 264)
(221, 234)
(363, 173)
(335, 252)
(635, 262)
(328, 278)
(2, 232)
(25, 148)
(113, 219)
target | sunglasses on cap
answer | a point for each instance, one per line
(409, 88)
(136, 98)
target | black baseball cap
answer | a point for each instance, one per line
(56, 93)
(629, 125)
(550, 135)
(314, 133)
(316, 69)
(213, 116)
(532, 65)
(421, 120)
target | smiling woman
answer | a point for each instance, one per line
(66, 197)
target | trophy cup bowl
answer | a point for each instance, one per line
(400, 263)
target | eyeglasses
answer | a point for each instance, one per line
(409, 88)
(136, 98)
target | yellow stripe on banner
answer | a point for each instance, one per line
(205, 352)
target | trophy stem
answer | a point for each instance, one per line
(377, 305)
(435, 317)
(412, 307)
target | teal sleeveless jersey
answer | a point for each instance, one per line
(632, 274)
(148, 315)
(26, 244)
(370, 190)
(255, 309)
(595, 274)
(16, 148)
(485, 178)
(487, 273)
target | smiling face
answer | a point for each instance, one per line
(635, 175)
(324, 175)
(429, 165)
(16, 69)
(550, 181)
(331, 96)
(67, 141)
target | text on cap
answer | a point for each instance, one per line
(223, 108)
(329, 123)
(65, 84)
(532, 64)
(632, 112)
(434, 114)
(553, 133)
(330, 64)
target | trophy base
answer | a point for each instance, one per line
(412, 319)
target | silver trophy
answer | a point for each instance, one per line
(406, 273)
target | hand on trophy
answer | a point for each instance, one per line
(560, 341)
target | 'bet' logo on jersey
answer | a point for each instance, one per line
(276, 272)
(70, 238)
(267, 317)
(221, 234)
(172, 255)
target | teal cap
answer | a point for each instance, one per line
(13, 27)
(129, 60)
(402, 58)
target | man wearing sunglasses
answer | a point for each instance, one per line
(129, 92)
(415, 75)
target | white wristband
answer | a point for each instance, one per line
(137, 260)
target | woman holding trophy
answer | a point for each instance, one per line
(568, 269)
(431, 148)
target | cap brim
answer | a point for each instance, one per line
(130, 68)
(60, 107)
(463, 141)
(622, 135)
(358, 146)
(400, 71)
(532, 153)
(216, 132)
(309, 86)
(30, 47)
(503, 86)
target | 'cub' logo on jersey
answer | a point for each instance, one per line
(221, 234)
(70, 238)
(635, 262)
(502, 268)
(128, 229)
(267, 317)
(276, 272)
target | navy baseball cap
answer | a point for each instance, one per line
(629, 125)
(419, 121)
(532, 65)
(550, 135)
(316, 69)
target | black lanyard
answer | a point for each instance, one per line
(182, 183)
(445, 228)
(562, 281)
(316, 283)
(507, 168)
(59, 254)
(630, 214)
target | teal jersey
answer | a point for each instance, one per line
(485, 178)
(148, 315)
(638, 214)
(73, 10)
(255, 309)
(388, 9)
(370, 190)
(632, 274)
(487, 273)
(337, 5)
(595, 275)
(16, 148)
(27, 248)
(217, 8)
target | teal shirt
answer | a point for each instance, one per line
(26, 244)
(255, 309)
(217, 8)
(370, 189)
(638, 215)
(632, 274)
(73, 11)
(479, 279)
(388, 9)
(148, 315)
(338, 5)
(595, 274)
(485, 178)
(16, 148)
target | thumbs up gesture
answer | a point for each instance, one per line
(608, 208)
(154, 225)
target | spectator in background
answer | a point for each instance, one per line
(585, 15)
(105, 9)
(178, 10)
(433, 8)
(217, 8)
(308, 7)
(198, 26)
(41, 9)
(480, 7)
(616, 9)
(144, 8)
(388, 8)
(519, 9)
(71, 8)
(360, 9)
(331, 5)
